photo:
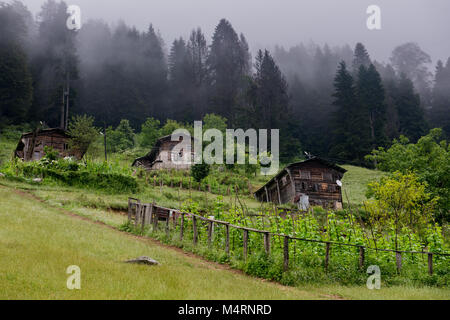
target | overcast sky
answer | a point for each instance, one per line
(266, 23)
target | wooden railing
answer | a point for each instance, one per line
(150, 214)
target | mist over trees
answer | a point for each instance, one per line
(335, 102)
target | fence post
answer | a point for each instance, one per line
(361, 257)
(155, 220)
(210, 231)
(151, 212)
(194, 225)
(398, 260)
(245, 244)
(167, 224)
(286, 253)
(267, 242)
(137, 216)
(227, 239)
(129, 210)
(144, 216)
(430, 264)
(327, 255)
(182, 227)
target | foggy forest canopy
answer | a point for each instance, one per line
(330, 101)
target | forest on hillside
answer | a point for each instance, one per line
(335, 102)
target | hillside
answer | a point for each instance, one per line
(40, 241)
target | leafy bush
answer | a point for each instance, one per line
(82, 132)
(200, 171)
(429, 158)
(70, 173)
(122, 138)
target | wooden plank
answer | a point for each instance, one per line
(278, 191)
(144, 216)
(194, 225)
(137, 215)
(286, 253)
(129, 210)
(182, 227)
(151, 213)
(155, 219)
(292, 182)
(227, 239)
(327, 255)
(430, 264)
(168, 224)
(398, 260)
(210, 232)
(267, 242)
(361, 257)
(245, 244)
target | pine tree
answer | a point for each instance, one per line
(371, 100)
(15, 78)
(55, 64)
(347, 118)
(198, 51)
(412, 123)
(361, 58)
(228, 65)
(439, 114)
(181, 81)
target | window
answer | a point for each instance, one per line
(327, 176)
(305, 175)
(316, 176)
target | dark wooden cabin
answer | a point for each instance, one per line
(31, 145)
(162, 156)
(313, 182)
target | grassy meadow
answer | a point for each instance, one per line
(39, 241)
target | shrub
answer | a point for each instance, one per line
(200, 171)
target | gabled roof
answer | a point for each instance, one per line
(49, 130)
(320, 160)
(152, 155)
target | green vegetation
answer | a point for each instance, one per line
(82, 132)
(200, 171)
(39, 243)
(307, 258)
(429, 158)
(100, 190)
(99, 251)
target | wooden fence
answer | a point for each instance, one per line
(150, 214)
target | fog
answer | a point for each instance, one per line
(286, 22)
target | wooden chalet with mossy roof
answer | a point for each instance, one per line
(313, 182)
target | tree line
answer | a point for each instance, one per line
(334, 102)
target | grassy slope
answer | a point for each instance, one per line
(38, 242)
(355, 183)
(6, 150)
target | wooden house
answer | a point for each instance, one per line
(163, 156)
(314, 182)
(31, 145)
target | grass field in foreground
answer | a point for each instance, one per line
(38, 243)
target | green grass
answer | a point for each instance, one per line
(355, 183)
(39, 241)
(7, 148)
